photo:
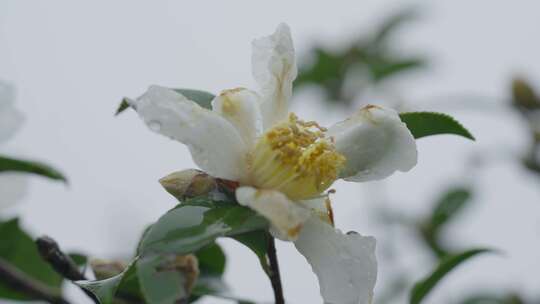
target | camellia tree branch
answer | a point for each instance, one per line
(20, 282)
(275, 276)
(50, 251)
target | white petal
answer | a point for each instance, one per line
(274, 68)
(285, 216)
(345, 264)
(10, 118)
(215, 145)
(241, 108)
(322, 207)
(375, 142)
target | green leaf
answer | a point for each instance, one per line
(383, 69)
(192, 227)
(8, 164)
(328, 71)
(156, 277)
(257, 241)
(143, 235)
(446, 265)
(493, 299)
(211, 260)
(211, 286)
(160, 282)
(449, 205)
(391, 24)
(18, 249)
(105, 290)
(445, 209)
(423, 124)
(202, 98)
(196, 223)
(124, 105)
(79, 259)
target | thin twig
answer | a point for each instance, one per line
(61, 262)
(21, 282)
(275, 277)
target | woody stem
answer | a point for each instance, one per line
(275, 277)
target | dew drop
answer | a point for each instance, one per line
(154, 125)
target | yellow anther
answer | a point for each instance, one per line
(295, 157)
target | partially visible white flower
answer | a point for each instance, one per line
(12, 185)
(10, 118)
(285, 164)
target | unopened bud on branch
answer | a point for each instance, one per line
(188, 183)
(523, 95)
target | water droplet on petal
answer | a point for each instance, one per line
(154, 125)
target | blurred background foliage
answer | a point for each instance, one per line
(371, 61)
(365, 62)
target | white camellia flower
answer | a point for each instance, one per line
(12, 185)
(284, 164)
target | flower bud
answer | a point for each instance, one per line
(188, 183)
(104, 269)
(523, 95)
(188, 265)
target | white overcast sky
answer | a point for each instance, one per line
(72, 61)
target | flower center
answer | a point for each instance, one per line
(295, 158)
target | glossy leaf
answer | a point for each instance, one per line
(423, 124)
(203, 98)
(446, 265)
(8, 164)
(211, 260)
(18, 249)
(124, 287)
(257, 241)
(105, 290)
(159, 283)
(197, 223)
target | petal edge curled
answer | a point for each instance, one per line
(241, 108)
(345, 264)
(214, 143)
(375, 142)
(274, 68)
(285, 216)
(10, 118)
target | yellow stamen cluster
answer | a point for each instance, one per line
(295, 157)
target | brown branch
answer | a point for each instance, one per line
(21, 282)
(59, 261)
(63, 264)
(275, 277)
